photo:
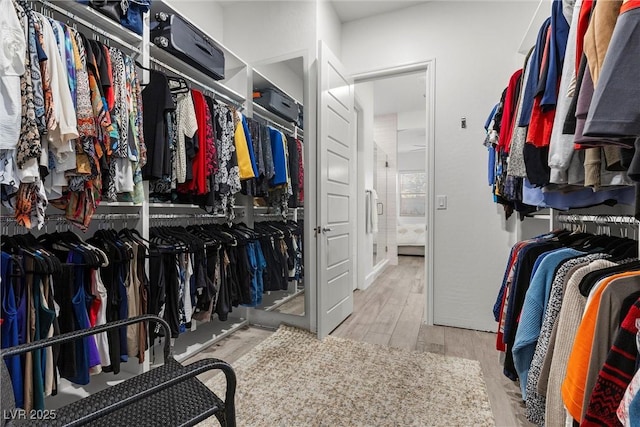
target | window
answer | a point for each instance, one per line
(413, 189)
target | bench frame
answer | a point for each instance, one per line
(179, 373)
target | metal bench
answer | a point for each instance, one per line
(168, 395)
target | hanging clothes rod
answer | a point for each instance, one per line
(283, 128)
(273, 214)
(202, 86)
(114, 216)
(88, 25)
(190, 216)
(597, 219)
(96, 217)
(271, 217)
(290, 214)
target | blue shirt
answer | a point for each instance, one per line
(252, 155)
(279, 158)
(492, 152)
(557, 48)
(575, 199)
(10, 330)
(532, 83)
(532, 314)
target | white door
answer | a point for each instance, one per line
(335, 140)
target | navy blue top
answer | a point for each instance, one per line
(557, 48)
(252, 155)
(531, 85)
(10, 329)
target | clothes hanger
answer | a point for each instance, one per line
(139, 65)
(133, 233)
(104, 240)
(183, 87)
(135, 237)
(44, 261)
(167, 241)
(199, 231)
(16, 261)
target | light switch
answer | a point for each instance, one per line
(441, 202)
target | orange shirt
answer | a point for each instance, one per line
(578, 364)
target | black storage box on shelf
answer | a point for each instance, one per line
(278, 103)
(175, 35)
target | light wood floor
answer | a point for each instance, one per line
(390, 313)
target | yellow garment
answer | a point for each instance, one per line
(77, 59)
(242, 149)
(83, 165)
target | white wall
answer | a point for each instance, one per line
(259, 30)
(412, 161)
(329, 27)
(412, 119)
(285, 78)
(208, 15)
(475, 48)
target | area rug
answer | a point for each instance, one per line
(293, 379)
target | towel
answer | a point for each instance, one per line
(374, 211)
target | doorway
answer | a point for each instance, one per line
(340, 181)
(395, 166)
(409, 110)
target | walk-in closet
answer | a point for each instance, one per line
(322, 212)
(148, 186)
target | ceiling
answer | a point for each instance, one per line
(400, 94)
(351, 10)
(412, 140)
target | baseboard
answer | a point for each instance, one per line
(377, 270)
(411, 250)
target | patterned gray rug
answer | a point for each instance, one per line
(293, 379)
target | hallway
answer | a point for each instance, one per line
(390, 311)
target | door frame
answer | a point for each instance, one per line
(429, 67)
(359, 210)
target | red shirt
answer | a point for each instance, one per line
(198, 184)
(628, 5)
(541, 123)
(509, 111)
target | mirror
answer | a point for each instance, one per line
(380, 182)
(278, 99)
